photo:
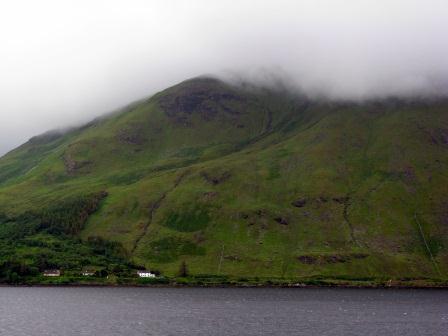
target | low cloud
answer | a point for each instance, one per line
(65, 62)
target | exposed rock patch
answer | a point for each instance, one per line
(341, 199)
(330, 259)
(262, 217)
(308, 259)
(208, 196)
(131, 136)
(216, 179)
(232, 258)
(300, 203)
(259, 217)
(72, 166)
(408, 175)
(443, 136)
(205, 97)
(199, 237)
(438, 136)
(281, 220)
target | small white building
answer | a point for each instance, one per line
(88, 272)
(52, 273)
(146, 274)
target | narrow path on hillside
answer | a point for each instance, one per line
(425, 243)
(347, 220)
(155, 206)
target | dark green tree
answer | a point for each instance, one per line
(183, 269)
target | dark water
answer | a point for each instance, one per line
(185, 311)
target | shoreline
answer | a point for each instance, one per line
(226, 281)
(247, 286)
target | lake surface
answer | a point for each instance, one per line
(222, 311)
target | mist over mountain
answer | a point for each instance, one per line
(65, 63)
(237, 183)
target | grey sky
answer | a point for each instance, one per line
(64, 62)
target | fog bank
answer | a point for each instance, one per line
(65, 62)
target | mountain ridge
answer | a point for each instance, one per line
(249, 182)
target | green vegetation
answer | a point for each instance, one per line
(34, 242)
(170, 249)
(188, 221)
(183, 269)
(244, 185)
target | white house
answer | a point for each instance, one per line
(146, 274)
(88, 272)
(52, 273)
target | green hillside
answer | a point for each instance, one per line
(236, 181)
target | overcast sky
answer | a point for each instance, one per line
(65, 62)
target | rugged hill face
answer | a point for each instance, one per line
(241, 181)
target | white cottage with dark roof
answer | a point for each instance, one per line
(146, 274)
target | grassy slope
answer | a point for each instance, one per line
(207, 173)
